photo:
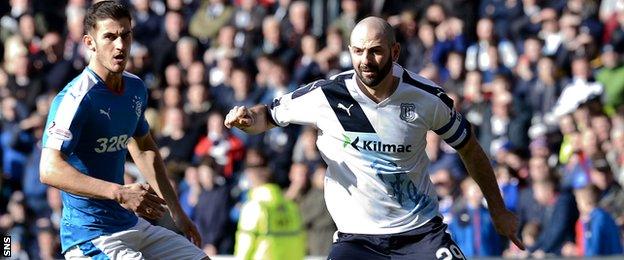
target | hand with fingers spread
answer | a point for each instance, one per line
(506, 224)
(239, 117)
(141, 199)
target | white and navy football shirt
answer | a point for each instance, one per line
(376, 180)
(92, 125)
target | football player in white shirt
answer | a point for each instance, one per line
(372, 124)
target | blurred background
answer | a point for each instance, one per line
(542, 82)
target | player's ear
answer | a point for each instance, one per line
(89, 41)
(396, 49)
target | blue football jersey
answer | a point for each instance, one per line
(92, 125)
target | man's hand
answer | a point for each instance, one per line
(506, 224)
(141, 199)
(187, 227)
(240, 117)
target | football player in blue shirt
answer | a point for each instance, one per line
(93, 122)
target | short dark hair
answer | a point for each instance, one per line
(105, 10)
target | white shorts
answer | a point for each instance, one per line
(143, 241)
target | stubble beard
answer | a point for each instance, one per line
(379, 74)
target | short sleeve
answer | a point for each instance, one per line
(299, 107)
(65, 122)
(450, 124)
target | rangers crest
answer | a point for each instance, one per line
(136, 105)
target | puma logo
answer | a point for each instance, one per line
(347, 109)
(106, 113)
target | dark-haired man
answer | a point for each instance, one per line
(93, 122)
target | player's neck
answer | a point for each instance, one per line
(382, 91)
(113, 81)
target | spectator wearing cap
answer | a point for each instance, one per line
(611, 75)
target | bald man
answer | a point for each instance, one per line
(373, 121)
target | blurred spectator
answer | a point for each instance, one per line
(611, 195)
(477, 55)
(270, 226)
(211, 211)
(299, 176)
(611, 76)
(163, 48)
(223, 48)
(176, 141)
(209, 18)
(16, 142)
(351, 14)
(186, 52)
(273, 43)
(226, 149)
(471, 226)
(299, 23)
(557, 223)
(316, 219)
(56, 69)
(190, 190)
(22, 85)
(447, 190)
(247, 20)
(197, 107)
(595, 228)
(543, 92)
(147, 23)
(306, 67)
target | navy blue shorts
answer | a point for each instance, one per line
(429, 241)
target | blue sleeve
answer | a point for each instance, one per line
(142, 126)
(65, 123)
(592, 242)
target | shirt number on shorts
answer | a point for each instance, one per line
(450, 253)
(112, 144)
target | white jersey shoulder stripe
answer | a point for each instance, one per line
(130, 75)
(68, 106)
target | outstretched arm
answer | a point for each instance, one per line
(144, 152)
(252, 120)
(479, 168)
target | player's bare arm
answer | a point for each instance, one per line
(479, 168)
(251, 120)
(56, 172)
(144, 152)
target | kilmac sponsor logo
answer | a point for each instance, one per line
(375, 146)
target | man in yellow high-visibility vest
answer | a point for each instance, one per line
(270, 225)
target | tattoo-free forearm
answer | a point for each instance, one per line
(480, 169)
(57, 172)
(144, 152)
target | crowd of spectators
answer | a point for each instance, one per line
(542, 83)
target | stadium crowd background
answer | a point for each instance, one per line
(542, 82)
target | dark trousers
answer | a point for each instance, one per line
(430, 241)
